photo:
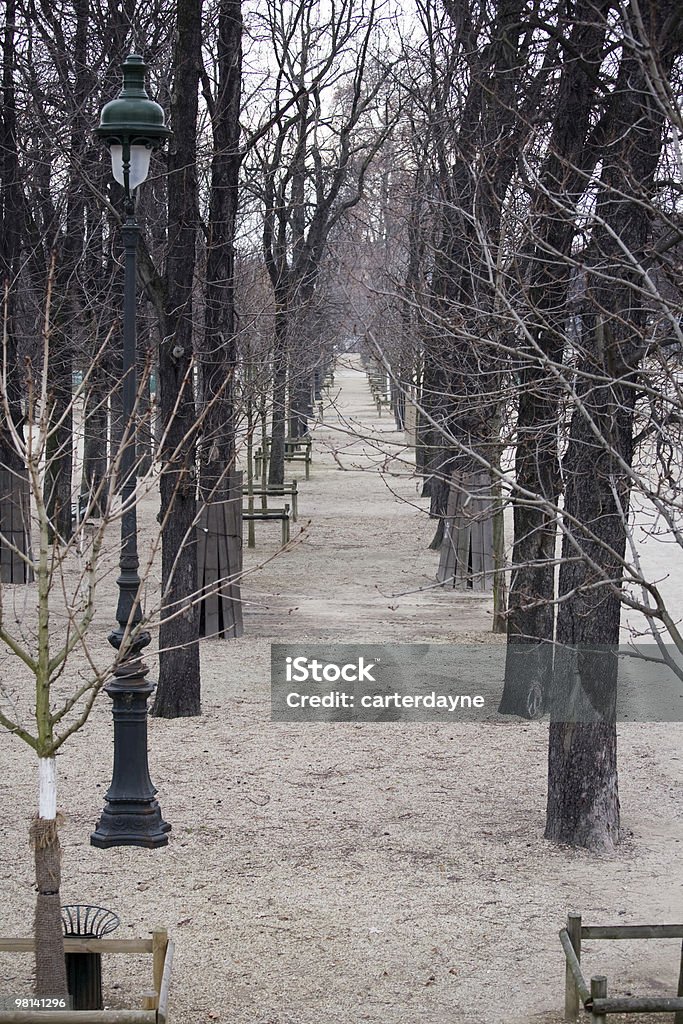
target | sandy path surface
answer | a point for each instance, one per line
(366, 542)
(334, 874)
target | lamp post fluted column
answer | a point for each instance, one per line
(131, 125)
(128, 611)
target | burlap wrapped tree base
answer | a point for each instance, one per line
(50, 966)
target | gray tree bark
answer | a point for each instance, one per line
(179, 689)
(530, 622)
(583, 799)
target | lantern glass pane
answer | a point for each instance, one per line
(139, 164)
(116, 154)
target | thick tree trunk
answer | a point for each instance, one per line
(178, 692)
(583, 795)
(221, 552)
(583, 800)
(488, 139)
(300, 406)
(219, 354)
(532, 582)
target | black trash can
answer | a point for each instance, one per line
(84, 970)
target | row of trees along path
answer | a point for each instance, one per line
(362, 568)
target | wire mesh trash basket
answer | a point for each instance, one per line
(84, 970)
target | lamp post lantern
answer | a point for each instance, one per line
(131, 126)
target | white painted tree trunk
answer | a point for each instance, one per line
(47, 788)
(49, 947)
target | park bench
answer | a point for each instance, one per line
(292, 444)
(267, 515)
(300, 449)
(290, 488)
(378, 389)
(293, 453)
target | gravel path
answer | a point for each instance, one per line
(337, 874)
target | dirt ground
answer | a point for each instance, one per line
(344, 873)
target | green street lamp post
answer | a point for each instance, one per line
(131, 126)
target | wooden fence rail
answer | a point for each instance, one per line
(595, 998)
(78, 1016)
(75, 945)
(155, 1003)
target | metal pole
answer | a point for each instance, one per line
(128, 614)
(131, 817)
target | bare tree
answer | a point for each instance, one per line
(567, 167)
(551, 297)
(41, 643)
(312, 167)
(583, 802)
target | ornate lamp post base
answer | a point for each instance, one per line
(131, 816)
(127, 824)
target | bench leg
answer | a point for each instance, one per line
(295, 506)
(308, 469)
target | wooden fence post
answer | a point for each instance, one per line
(159, 944)
(571, 992)
(598, 991)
